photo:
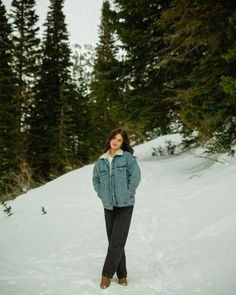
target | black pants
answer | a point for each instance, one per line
(117, 226)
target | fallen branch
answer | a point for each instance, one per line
(206, 157)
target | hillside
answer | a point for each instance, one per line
(182, 238)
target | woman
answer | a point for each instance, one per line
(116, 176)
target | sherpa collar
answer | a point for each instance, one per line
(105, 155)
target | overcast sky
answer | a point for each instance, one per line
(82, 18)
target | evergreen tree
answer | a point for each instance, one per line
(82, 141)
(9, 162)
(26, 59)
(26, 43)
(181, 60)
(227, 134)
(204, 106)
(146, 94)
(49, 150)
(106, 86)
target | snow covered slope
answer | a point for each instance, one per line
(182, 238)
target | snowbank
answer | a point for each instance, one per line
(182, 238)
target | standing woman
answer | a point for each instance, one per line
(116, 176)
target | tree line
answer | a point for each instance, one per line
(158, 67)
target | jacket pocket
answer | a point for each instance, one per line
(104, 185)
(122, 176)
(122, 193)
(103, 175)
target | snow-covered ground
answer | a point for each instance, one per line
(182, 239)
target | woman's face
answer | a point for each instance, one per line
(116, 142)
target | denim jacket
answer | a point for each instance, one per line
(116, 185)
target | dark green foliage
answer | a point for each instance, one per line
(106, 86)
(148, 85)
(9, 152)
(26, 59)
(81, 127)
(50, 121)
(26, 43)
(181, 65)
(83, 140)
(205, 106)
(157, 63)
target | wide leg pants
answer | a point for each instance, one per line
(117, 227)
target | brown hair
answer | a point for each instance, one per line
(125, 145)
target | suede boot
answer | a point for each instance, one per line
(105, 282)
(122, 281)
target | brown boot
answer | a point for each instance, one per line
(105, 282)
(122, 281)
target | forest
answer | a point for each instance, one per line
(159, 67)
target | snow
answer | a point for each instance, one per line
(181, 242)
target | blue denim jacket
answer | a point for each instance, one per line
(116, 185)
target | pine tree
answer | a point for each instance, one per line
(204, 106)
(9, 162)
(26, 59)
(50, 123)
(26, 43)
(136, 23)
(227, 134)
(105, 95)
(181, 60)
(82, 141)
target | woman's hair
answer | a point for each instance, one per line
(125, 145)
